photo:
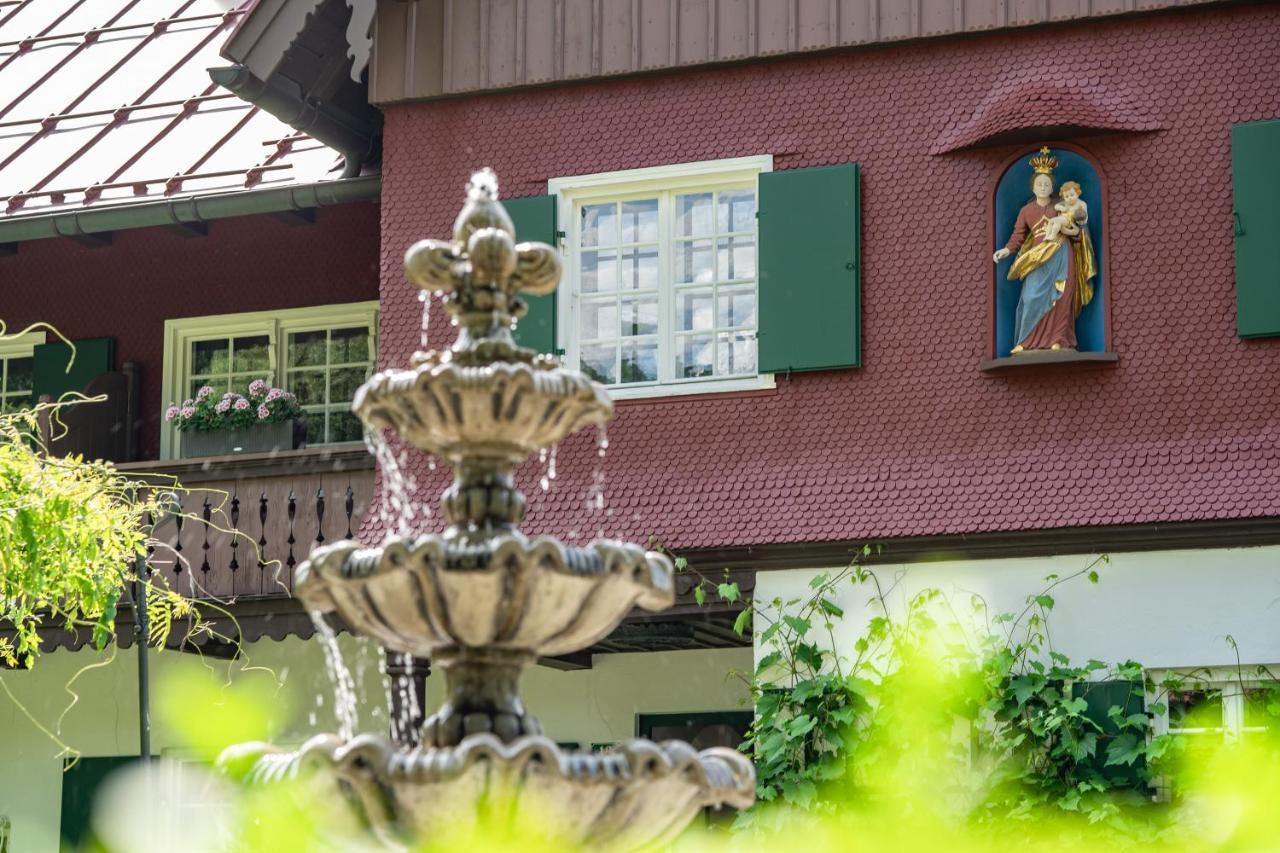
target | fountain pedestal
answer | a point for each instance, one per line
(481, 600)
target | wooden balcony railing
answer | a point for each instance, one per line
(283, 505)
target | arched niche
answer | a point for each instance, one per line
(1013, 190)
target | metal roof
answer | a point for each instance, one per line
(109, 103)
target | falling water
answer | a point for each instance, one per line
(344, 689)
(595, 499)
(398, 508)
(425, 299)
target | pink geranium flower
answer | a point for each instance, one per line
(224, 405)
(171, 413)
(205, 391)
(241, 404)
(263, 412)
(257, 386)
(188, 411)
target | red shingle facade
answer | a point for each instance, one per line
(919, 441)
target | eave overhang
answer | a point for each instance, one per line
(300, 61)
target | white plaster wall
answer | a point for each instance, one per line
(588, 706)
(1161, 608)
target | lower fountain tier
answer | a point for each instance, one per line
(537, 597)
(504, 409)
(638, 794)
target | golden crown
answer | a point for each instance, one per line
(1044, 163)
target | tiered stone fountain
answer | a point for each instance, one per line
(481, 600)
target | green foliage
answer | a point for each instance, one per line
(70, 535)
(851, 723)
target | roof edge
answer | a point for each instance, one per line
(192, 209)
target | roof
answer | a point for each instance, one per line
(109, 102)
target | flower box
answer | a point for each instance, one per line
(262, 438)
(259, 421)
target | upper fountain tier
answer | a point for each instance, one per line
(485, 398)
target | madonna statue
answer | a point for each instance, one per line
(1055, 262)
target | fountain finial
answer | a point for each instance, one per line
(481, 272)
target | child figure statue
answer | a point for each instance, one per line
(1072, 213)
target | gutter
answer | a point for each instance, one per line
(194, 209)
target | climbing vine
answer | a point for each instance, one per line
(71, 533)
(1002, 724)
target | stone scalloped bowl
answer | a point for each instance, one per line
(510, 593)
(640, 793)
(512, 409)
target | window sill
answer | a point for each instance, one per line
(1046, 358)
(349, 456)
(763, 382)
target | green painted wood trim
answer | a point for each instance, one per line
(1255, 177)
(810, 269)
(185, 211)
(535, 220)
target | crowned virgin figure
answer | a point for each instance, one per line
(1055, 262)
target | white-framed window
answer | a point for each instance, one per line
(660, 292)
(321, 354)
(1214, 706)
(17, 370)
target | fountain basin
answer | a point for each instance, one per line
(504, 410)
(508, 592)
(638, 794)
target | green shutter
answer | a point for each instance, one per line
(1255, 172)
(49, 366)
(810, 269)
(1100, 697)
(81, 781)
(535, 220)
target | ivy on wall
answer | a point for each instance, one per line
(981, 705)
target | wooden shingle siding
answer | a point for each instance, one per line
(430, 48)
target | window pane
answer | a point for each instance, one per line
(19, 375)
(306, 348)
(597, 362)
(693, 310)
(693, 215)
(344, 426)
(1194, 709)
(600, 271)
(349, 346)
(251, 354)
(599, 224)
(308, 385)
(640, 269)
(736, 210)
(736, 258)
(599, 320)
(736, 308)
(210, 357)
(640, 361)
(343, 382)
(1257, 710)
(640, 221)
(694, 262)
(736, 354)
(693, 356)
(315, 427)
(640, 316)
